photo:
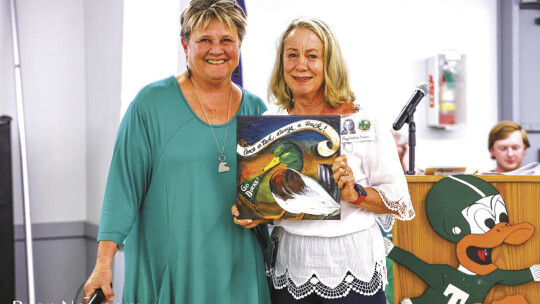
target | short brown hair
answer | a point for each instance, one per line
(503, 129)
(201, 12)
(337, 89)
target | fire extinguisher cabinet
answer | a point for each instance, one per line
(447, 90)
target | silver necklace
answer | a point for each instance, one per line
(222, 164)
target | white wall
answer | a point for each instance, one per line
(150, 44)
(385, 44)
(52, 58)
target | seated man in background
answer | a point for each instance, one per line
(508, 143)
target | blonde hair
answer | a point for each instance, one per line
(336, 77)
(201, 12)
(502, 130)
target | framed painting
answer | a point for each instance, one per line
(284, 167)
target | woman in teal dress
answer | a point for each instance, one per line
(172, 178)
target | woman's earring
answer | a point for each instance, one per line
(237, 72)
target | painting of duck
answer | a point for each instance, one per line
(284, 167)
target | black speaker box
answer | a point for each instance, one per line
(7, 256)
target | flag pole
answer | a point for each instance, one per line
(24, 163)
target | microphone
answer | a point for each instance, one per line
(421, 90)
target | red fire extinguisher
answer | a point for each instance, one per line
(447, 100)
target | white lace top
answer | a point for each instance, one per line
(332, 257)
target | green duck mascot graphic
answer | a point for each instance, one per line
(470, 212)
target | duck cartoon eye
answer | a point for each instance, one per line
(500, 211)
(490, 223)
(484, 220)
(503, 218)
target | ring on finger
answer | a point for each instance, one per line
(346, 171)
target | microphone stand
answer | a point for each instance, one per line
(406, 116)
(412, 144)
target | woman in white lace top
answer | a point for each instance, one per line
(337, 261)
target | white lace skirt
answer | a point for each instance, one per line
(331, 266)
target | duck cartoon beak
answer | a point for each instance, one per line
(474, 250)
(505, 233)
(275, 161)
(517, 234)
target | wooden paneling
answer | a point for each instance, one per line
(522, 197)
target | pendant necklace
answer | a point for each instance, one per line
(222, 164)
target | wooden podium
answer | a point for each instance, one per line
(522, 197)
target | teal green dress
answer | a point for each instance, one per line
(169, 206)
